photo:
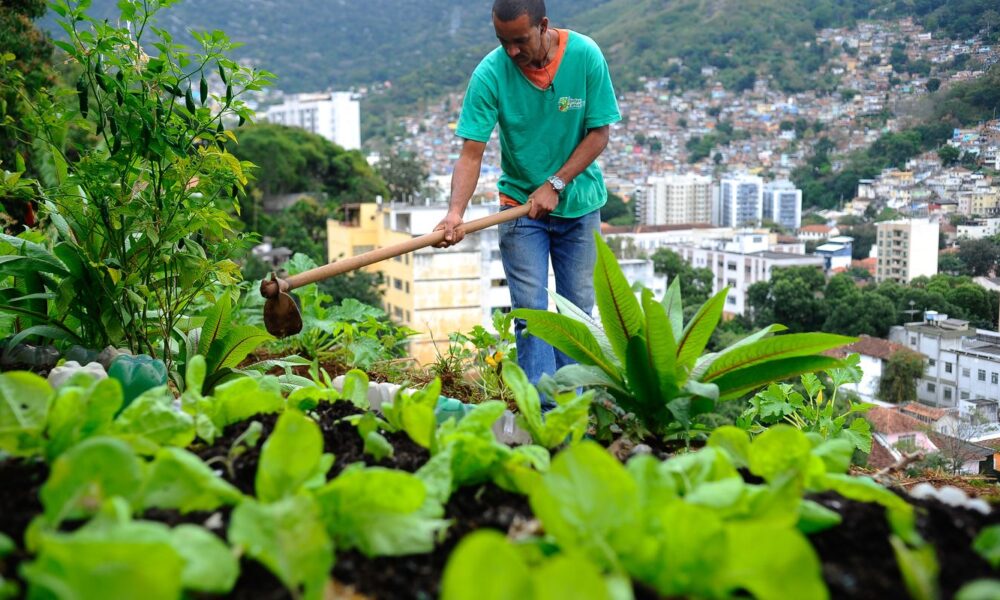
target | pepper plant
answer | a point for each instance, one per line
(142, 217)
(651, 361)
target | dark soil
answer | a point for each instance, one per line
(20, 481)
(340, 438)
(858, 561)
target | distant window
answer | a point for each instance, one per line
(947, 367)
(931, 362)
(397, 283)
(981, 375)
(913, 340)
(965, 372)
(994, 377)
(947, 393)
(930, 387)
(964, 395)
(731, 300)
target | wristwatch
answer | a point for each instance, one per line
(557, 184)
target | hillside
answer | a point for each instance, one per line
(316, 44)
(426, 47)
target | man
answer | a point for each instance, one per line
(550, 92)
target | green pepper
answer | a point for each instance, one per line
(137, 374)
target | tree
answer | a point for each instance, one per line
(948, 154)
(980, 257)
(951, 264)
(898, 383)
(696, 284)
(617, 212)
(404, 174)
(793, 298)
(933, 84)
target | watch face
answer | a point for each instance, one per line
(557, 183)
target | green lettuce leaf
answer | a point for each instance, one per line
(381, 512)
(289, 539)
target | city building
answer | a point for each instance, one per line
(836, 253)
(436, 291)
(783, 204)
(906, 249)
(963, 363)
(874, 354)
(978, 229)
(740, 201)
(675, 199)
(333, 115)
(739, 262)
(817, 233)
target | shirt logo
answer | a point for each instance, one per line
(567, 104)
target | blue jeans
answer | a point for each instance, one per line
(525, 247)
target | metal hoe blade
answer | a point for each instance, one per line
(281, 314)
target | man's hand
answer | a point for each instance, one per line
(453, 233)
(543, 201)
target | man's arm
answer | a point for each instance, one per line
(544, 199)
(464, 178)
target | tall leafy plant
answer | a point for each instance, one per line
(142, 218)
(652, 362)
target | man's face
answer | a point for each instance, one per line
(521, 40)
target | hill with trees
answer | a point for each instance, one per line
(428, 47)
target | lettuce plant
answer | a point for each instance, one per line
(651, 361)
(565, 423)
(36, 420)
(112, 557)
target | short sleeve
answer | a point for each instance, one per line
(479, 110)
(602, 105)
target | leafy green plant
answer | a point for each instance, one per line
(361, 335)
(223, 344)
(36, 420)
(288, 538)
(142, 219)
(565, 423)
(683, 526)
(231, 402)
(486, 560)
(781, 402)
(652, 362)
(112, 556)
(485, 358)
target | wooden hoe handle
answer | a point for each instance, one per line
(428, 239)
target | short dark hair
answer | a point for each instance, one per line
(508, 10)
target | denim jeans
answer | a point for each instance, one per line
(525, 247)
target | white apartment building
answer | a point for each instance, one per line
(782, 203)
(979, 229)
(906, 249)
(333, 115)
(646, 239)
(740, 201)
(963, 364)
(675, 199)
(739, 262)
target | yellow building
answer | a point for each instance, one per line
(435, 291)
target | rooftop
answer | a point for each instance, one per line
(871, 346)
(922, 410)
(891, 420)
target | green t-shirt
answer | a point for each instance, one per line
(539, 129)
